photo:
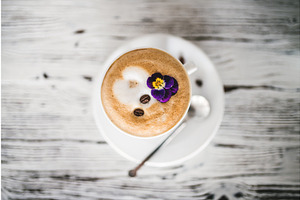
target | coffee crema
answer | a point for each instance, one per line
(124, 93)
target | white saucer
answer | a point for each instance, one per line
(196, 135)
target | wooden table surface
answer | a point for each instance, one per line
(52, 51)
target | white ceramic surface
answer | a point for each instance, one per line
(196, 135)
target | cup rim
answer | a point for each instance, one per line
(107, 65)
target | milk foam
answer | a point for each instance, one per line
(130, 96)
(125, 83)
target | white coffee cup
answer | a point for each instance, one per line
(189, 68)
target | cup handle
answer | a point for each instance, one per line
(190, 68)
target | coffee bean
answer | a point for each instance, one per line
(199, 83)
(145, 99)
(138, 112)
(181, 59)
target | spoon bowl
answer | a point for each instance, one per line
(199, 108)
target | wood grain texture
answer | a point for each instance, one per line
(52, 50)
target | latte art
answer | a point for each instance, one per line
(129, 90)
(145, 92)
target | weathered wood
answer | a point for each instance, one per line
(251, 147)
(52, 51)
(259, 38)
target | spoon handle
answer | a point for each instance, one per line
(132, 173)
(174, 134)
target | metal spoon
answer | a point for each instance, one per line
(199, 108)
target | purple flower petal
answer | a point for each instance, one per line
(151, 79)
(168, 94)
(174, 88)
(169, 81)
(158, 94)
(156, 75)
(149, 82)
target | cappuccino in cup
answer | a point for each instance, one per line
(146, 92)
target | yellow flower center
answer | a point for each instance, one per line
(158, 84)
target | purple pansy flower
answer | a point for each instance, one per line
(162, 87)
